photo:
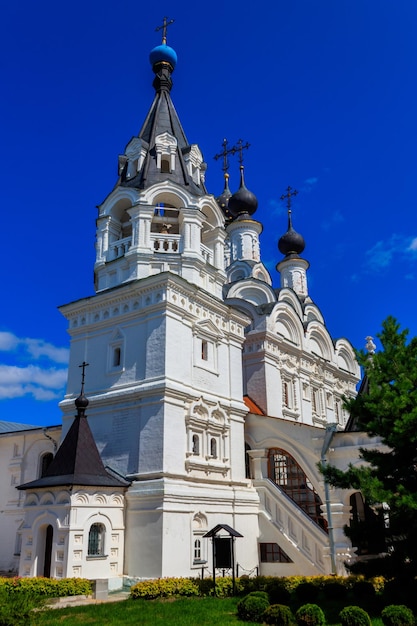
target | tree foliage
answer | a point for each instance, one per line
(387, 409)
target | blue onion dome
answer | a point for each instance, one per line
(242, 201)
(291, 242)
(162, 55)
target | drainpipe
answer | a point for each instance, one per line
(330, 430)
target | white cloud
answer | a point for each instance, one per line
(311, 181)
(383, 253)
(36, 348)
(8, 341)
(413, 245)
(43, 378)
(42, 384)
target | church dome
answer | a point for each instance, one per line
(163, 54)
(291, 242)
(243, 200)
(223, 199)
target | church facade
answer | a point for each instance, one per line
(209, 397)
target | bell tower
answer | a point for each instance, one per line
(165, 351)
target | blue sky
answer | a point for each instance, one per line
(323, 90)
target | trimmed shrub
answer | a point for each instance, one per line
(259, 594)
(397, 615)
(47, 587)
(310, 615)
(252, 607)
(307, 592)
(335, 590)
(354, 616)
(277, 591)
(164, 588)
(224, 587)
(363, 590)
(279, 614)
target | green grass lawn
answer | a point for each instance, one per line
(181, 612)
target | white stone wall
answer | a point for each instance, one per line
(71, 514)
(20, 457)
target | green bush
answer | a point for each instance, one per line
(363, 590)
(164, 588)
(277, 591)
(224, 587)
(47, 587)
(310, 615)
(354, 616)
(279, 614)
(307, 592)
(252, 607)
(397, 615)
(335, 590)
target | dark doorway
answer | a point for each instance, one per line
(48, 551)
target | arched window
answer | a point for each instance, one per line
(284, 470)
(46, 460)
(196, 444)
(213, 448)
(96, 540)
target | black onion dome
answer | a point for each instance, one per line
(243, 200)
(223, 199)
(81, 403)
(291, 242)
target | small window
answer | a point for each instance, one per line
(285, 394)
(272, 553)
(46, 460)
(213, 448)
(165, 168)
(117, 357)
(197, 550)
(204, 350)
(196, 444)
(18, 544)
(96, 540)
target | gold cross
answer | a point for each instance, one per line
(164, 27)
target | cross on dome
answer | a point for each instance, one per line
(290, 193)
(164, 27)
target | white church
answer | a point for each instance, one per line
(208, 399)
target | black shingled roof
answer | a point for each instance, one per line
(77, 462)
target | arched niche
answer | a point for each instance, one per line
(345, 357)
(319, 342)
(252, 291)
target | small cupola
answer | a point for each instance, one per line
(293, 268)
(291, 243)
(243, 202)
(223, 199)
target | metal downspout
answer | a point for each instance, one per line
(330, 430)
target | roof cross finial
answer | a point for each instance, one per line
(225, 152)
(239, 147)
(164, 27)
(83, 365)
(290, 192)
